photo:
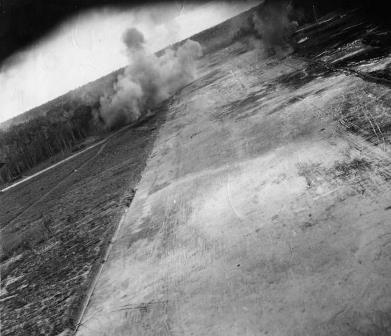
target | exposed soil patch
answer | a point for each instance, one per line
(385, 73)
(284, 104)
(158, 187)
(349, 171)
(204, 81)
(146, 232)
(298, 78)
(369, 116)
(233, 110)
(345, 170)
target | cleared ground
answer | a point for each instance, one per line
(261, 210)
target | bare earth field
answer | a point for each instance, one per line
(57, 226)
(261, 211)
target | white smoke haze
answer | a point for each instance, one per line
(87, 47)
(148, 79)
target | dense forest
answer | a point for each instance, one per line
(24, 145)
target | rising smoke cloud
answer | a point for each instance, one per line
(274, 22)
(82, 49)
(147, 80)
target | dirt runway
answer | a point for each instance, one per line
(259, 212)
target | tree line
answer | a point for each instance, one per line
(25, 145)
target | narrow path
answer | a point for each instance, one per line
(52, 166)
(101, 143)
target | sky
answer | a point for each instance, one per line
(89, 46)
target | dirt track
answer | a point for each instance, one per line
(258, 213)
(102, 144)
